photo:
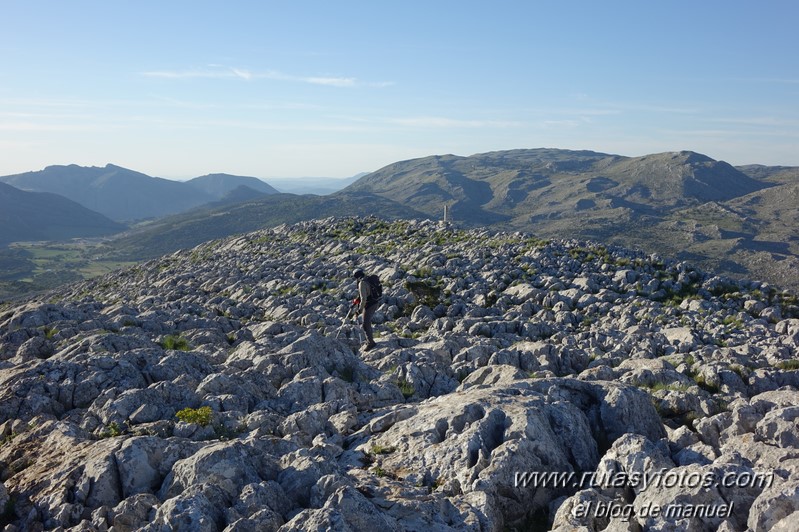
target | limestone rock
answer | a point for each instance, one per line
(500, 359)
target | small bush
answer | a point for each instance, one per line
(427, 294)
(406, 388)
(113, 429)
(382, 449)
(178, 343)
(199, 416)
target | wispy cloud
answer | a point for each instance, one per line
(220, 72)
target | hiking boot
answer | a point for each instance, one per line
(369, 346)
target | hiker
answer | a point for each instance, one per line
(369, 292)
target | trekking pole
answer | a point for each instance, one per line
(346, 319)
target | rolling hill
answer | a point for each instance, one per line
(207, 223)
(682, 204)
(28, 216)
(523, 186)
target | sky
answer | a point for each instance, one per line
(179, 89)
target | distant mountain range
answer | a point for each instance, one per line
(734, 220)
(125, 195)
(524, 187)
(28, 216)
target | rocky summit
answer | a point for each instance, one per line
(517, 384)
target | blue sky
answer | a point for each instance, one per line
(286, 89)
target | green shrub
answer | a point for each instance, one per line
(406, 388)
(178, 343)
(382, 449)
(427, 294)
(113, 429)
(733, 321)
(199, 416)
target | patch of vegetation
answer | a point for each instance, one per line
(671, 386)
(382, 449)
(427, 294)
(788, 365)
(676, 297)
(8, 438)
(723, 289)
(406, 388)
(199, 416)
(733, 321)
(688, 419)
(112, 430)
(177, 343)
(789, 305)
(702, 382)
(287, 291)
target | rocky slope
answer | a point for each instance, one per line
(218, 388)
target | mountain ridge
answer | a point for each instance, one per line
(681, 204)
(116, 192)
(28, 216)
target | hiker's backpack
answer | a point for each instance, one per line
(375, 288)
